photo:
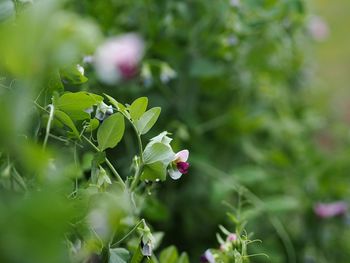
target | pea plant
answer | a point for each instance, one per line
(111, 229)
(74, 187)
(84, 118)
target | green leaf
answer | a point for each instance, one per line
(183, 258)
(138, 107)
(158, 236)
(137, 257)
(99, 158)
(169, 255)
(92, 125)
(55, 83)
(72, 75)
(147, 120)
(154, 171)
(111, 131)
(158, 152)
(119, 255)
(66, 120)
(120, 107)
(75, 104)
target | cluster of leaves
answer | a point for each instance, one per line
(57, 182)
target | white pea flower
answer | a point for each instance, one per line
(166, 73)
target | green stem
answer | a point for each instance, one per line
(40, 107)
(19, 179)
(114, 171)
(136, 178)
(48, 126)
(142, 221)
(139, 142)
(109, 164)
(140, 167)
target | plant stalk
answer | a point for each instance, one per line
(48, 126)
(109, 164)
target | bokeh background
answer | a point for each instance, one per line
(332, 56)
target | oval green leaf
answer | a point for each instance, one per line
(154, 171)
(158, 152)
(66, 120)
(147, 120)
(75, 104)
(138, 107)
(111, 131)
(169, 255)
(119, 255)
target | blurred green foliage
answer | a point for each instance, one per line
(232, 79)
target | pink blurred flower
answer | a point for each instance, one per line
(318, 28)
(118, 58)
(327, 210)
(181, 165)
(232, 237)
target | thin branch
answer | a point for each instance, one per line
(109, 164)
(138, 173)
(48, 126)
(142, 221)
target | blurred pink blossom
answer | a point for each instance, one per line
(118, 58)
(327, 210)
(232, 237)
(318, 28)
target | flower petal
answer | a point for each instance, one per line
(183, 167)
(182, 156)
(327, 210)
(174, 174)
(207, 257)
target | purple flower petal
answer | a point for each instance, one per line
(232, 237)
(324, 210)
(183, 167)
(118, 58)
